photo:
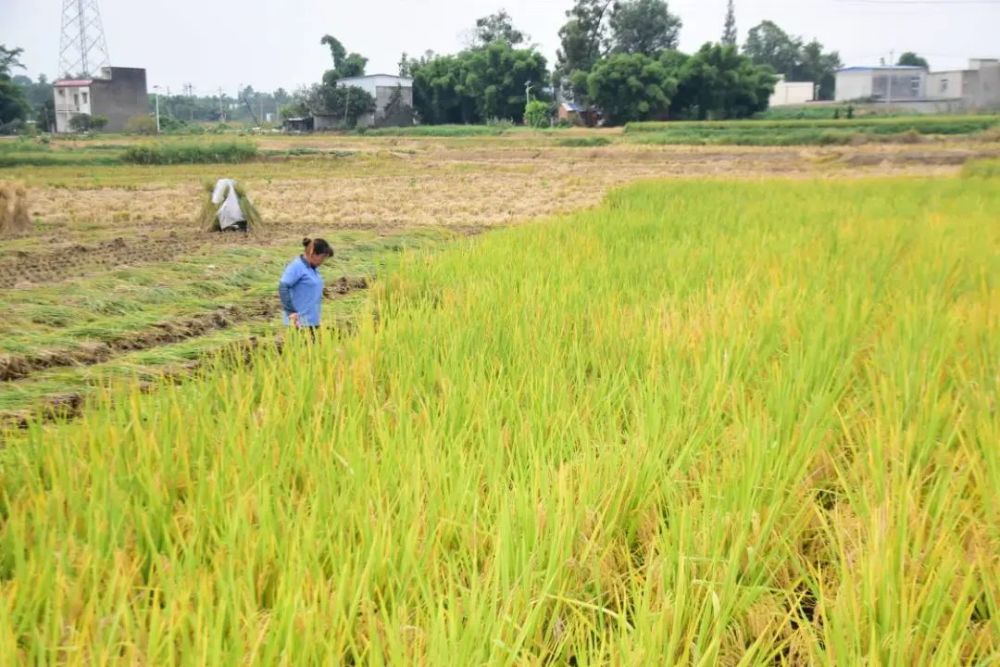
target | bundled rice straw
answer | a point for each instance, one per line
(14, 217)
(208, 219)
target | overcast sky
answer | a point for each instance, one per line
(225, 43)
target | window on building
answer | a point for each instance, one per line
(76, 99)
(944, 85)
(85, 98)
(62, 93)
(915, 86)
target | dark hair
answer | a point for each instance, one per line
(318, 247)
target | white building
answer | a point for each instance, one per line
(382, 87)
(899, 83)
(118, 94)
(792, 92)
(976, 88)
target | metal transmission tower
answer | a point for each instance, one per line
(82, 47)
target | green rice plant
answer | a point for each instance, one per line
(923, 124)
(440, 131)
(705, 423)
(981, 169)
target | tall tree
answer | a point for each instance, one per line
(911, 59)
(498, 27)
(630, 86)
(582, 43)
(717, 82)
(344, 65)
(729, 35)
(13, 106)
(643, 26)
(767, 44)
(475, 85)
(819, 67)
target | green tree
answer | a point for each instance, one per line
(13, 106)
(344, 65)
(911, 59)
(643, 26)
(718, 83)
(498, 27)
(475, 85)
(583, 39)
(80, 122)
(496, 77)
(819, 67)
(346, 103)
(729, 35)
(767, 44)
(45, 115)
(439, 90)
(537, 114)
(630, 86)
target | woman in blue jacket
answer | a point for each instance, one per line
(301, 286)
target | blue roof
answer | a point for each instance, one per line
(868, 69)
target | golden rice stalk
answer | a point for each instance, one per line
(14, 216)
(208, 216)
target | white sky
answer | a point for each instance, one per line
(225, 43)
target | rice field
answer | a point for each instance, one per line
(708, 422)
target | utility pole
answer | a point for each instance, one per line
(527, 92)
(156, 95)
(222, 112)
(892, 61)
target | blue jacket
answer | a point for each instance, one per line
(301, 291)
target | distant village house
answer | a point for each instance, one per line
(393, 102)
(118, 94)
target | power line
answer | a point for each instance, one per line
(922, 2)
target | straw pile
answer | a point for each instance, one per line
(208, 219)
(13, 209)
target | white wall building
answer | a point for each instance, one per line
(977, 88)
(381, 87)
(898, 83)
(792, 92)
(118, 94)
(72, 98)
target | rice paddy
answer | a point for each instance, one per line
(716, 422)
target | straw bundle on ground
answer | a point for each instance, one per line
(208, 219)
(13, 209)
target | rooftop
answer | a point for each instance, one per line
(881, 67)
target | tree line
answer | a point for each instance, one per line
(616, 58)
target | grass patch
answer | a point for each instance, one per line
(981, 169)
(583, 142)
(808, 132)
(440, 131)
(233, 152)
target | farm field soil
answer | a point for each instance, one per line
(65, 284)
(713, 423)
